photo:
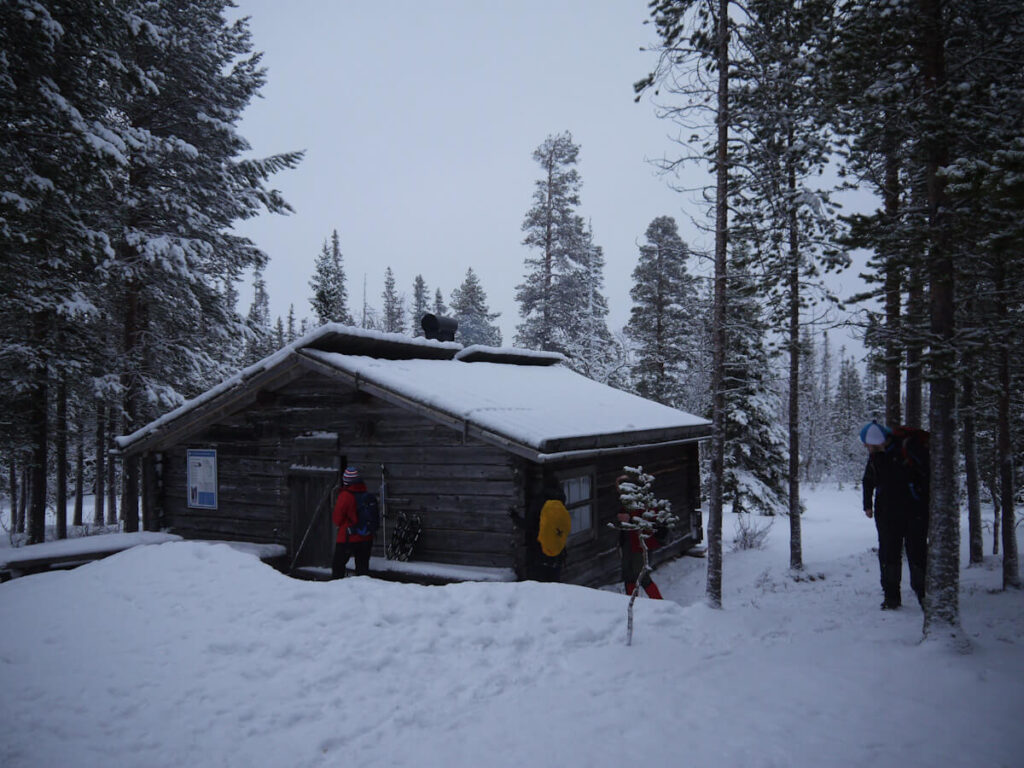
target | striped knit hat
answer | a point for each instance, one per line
(351, 476)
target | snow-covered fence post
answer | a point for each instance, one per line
(645, 515)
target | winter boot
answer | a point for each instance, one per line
(891, 573)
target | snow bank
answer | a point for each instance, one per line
(188, 654)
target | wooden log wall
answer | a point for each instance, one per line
(594, 560)
(461, 489)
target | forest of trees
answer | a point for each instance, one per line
(122, 175)
(123, 172)
(771, 93)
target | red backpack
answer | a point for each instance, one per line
(912, 444)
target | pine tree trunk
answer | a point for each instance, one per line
(997, 515)
(23, 501)
(942, 604)
(1004, 444)
(915, 315)
(79, 472)
(130, 387)
(892, 287)
(62, 459)
(149, 487)
(714, 581)
(891, 194)
(13, 479)
(549, 246)
(37, 470)
(977, 544)
(39, 435)
(130, 493)
(99, 482)
(796, 557)
(111, 468)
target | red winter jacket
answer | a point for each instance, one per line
(346, 514)
(634, 537)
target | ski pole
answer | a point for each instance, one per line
(384, 509)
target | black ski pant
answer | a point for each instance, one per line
(344, 550)
(541, 567)
(897, 532)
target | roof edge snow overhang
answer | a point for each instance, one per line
(576, 448)
(613, 441)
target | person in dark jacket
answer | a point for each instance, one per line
(346, 517)
(540, 566)
(632, 552)
(888, 498)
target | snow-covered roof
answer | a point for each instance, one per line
(330, 336)
(519, 399)
(550, 409)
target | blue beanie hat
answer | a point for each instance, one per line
(351, 476)
(875, 434)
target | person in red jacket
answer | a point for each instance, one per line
(632, 553)
(345, 517)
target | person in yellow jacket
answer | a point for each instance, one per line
(547, 527)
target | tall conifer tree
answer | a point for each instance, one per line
(393, 312)
(664, 317)
(330, 294)
(469, 307)
(420, 304)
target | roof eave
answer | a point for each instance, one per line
(228, 401)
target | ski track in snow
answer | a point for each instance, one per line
(189, 654)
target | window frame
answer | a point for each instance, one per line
(568, 475)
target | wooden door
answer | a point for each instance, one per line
(311, 499)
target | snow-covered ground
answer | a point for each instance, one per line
(198, 655)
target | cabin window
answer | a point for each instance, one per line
(579, 500)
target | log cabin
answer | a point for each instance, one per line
(464, 439)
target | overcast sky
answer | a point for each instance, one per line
(419, 120)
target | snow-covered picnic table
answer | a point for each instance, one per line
(69, 552)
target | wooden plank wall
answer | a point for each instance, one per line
(462, 490)
(595, 560)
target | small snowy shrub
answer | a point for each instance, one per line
(749, 533)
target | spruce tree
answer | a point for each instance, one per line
(261, 336)
(847, 416)
(291, 334)
(778, 213)
(185, 184)
(754, 478)
(420, 304)
(560, 298)
(330, 294)
(663, 319)
(470, 309)
(62, 146)
(694, 61)
(586, 340)
(440, 308)
(393, 312)
(955, 83)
